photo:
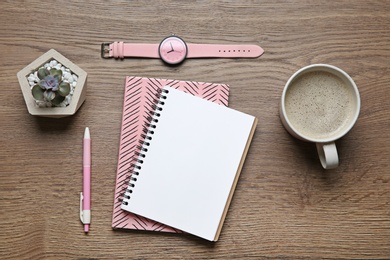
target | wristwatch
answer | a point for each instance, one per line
(174, 50)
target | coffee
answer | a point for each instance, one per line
(319, 104)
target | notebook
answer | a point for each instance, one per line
(189, 163)
(138, 95)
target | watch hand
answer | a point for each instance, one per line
(170, 51)
(171, 46)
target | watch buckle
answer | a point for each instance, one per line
(105, 50)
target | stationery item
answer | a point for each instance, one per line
(320, 103)
(189, 164)
(138, 96)
(174, 50)
(85, 196)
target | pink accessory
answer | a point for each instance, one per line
(85, 196)
(174, 50)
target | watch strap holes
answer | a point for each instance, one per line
(234, 50)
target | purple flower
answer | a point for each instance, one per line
(50, 82)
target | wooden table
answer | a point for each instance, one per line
(285, 204)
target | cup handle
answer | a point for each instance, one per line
(328, 155)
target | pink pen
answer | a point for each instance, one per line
(85, 196)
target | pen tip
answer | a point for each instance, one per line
(86, 228)
(86, 133)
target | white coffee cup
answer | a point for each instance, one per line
(320, 104)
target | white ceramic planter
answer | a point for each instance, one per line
(79, 93)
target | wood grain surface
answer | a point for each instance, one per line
(285, 205)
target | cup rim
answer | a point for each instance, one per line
(327, 68)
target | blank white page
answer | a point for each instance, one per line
(192, 164)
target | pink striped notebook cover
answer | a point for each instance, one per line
(138, 101)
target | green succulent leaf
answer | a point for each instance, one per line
(49, 95)
(37, 92)
(64, 89)
(56, 73)
(42, 73)
(57, 100)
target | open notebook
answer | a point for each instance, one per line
(138, 95)
(189, 164)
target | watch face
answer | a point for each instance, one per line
(173, 50)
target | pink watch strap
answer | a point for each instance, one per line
(223, 51)
(147, 50)
(121, 50)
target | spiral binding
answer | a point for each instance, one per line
(145, 142)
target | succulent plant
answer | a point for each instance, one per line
(50, 88)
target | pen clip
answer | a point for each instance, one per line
(81, 208)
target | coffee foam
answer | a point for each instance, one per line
(319, 104)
